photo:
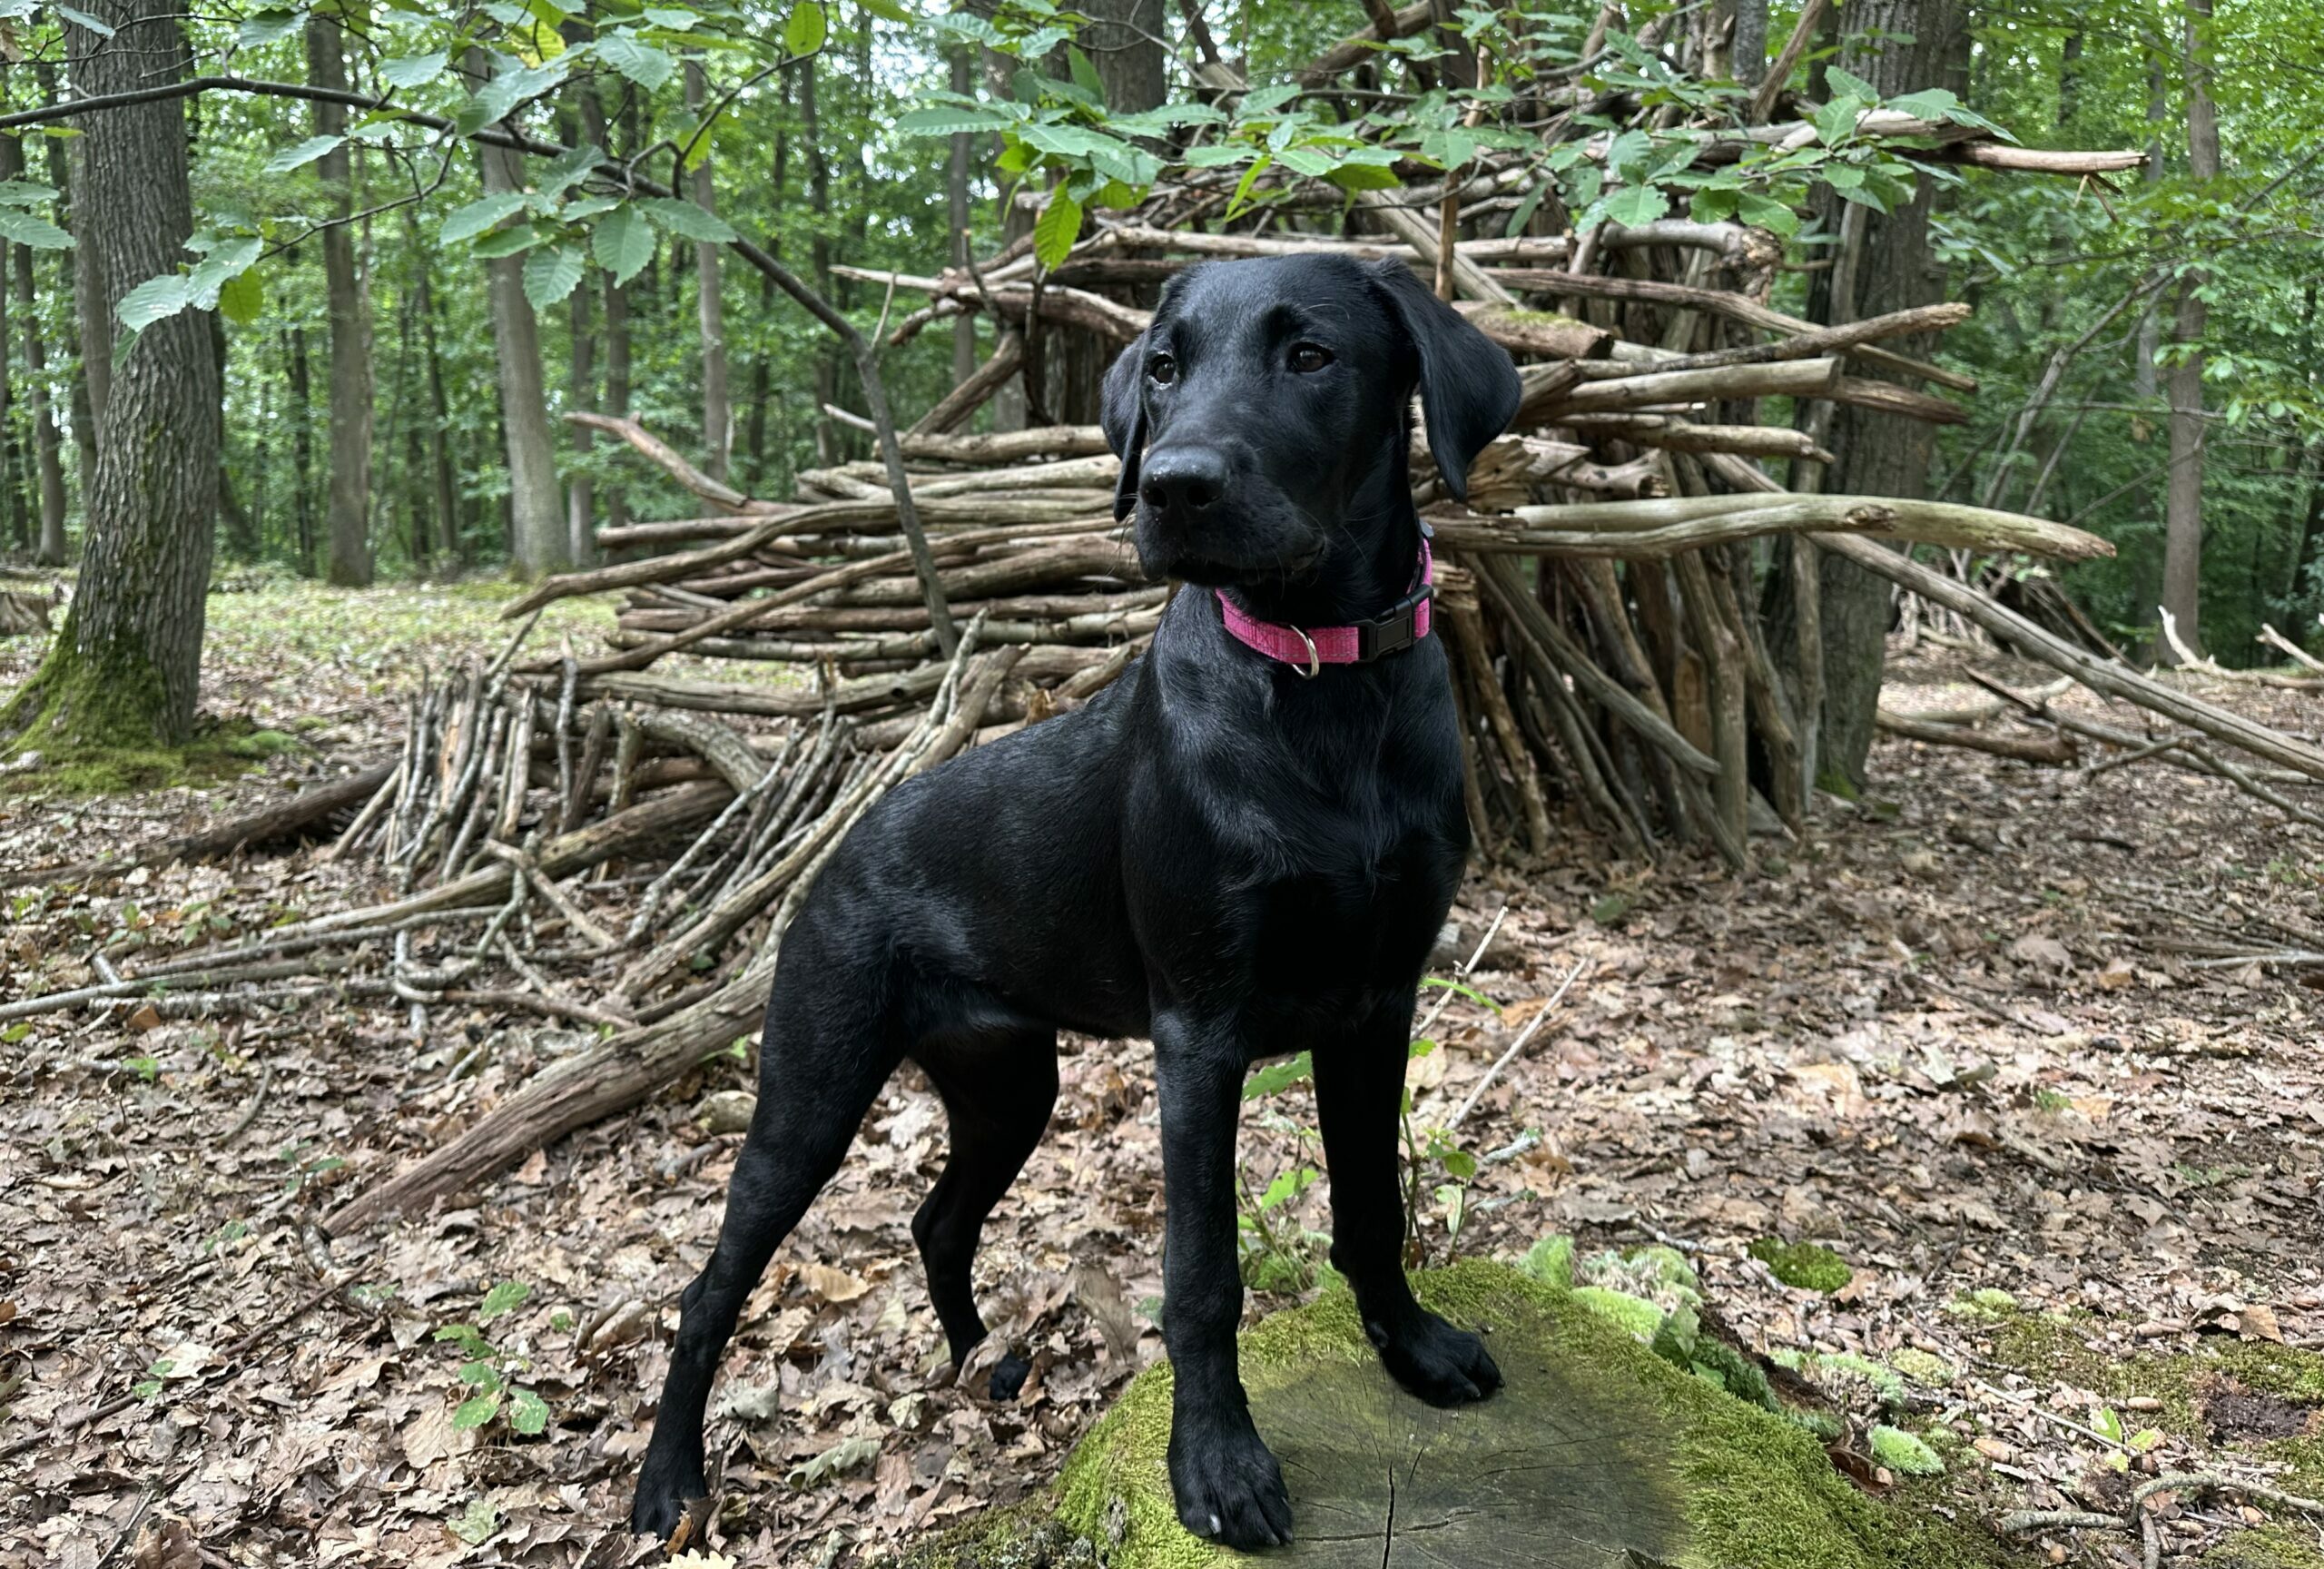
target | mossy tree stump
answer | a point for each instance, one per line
(1597, 1454)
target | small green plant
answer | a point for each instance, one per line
(492, 1372)
(1277, 1254)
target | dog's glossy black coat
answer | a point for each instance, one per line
(1216, 852)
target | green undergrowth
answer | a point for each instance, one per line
(2059, 1347)
(1745, 1489)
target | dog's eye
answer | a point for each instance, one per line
(1163, 368)
(1309, 357)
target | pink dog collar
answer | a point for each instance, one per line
(1308, 650)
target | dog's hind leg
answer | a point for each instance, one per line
(818, 1075)
(999, 1089)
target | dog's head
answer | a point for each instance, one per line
(1262, 418)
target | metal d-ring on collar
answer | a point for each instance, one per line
(1315, 662)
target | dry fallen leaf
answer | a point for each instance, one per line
(833, 1285)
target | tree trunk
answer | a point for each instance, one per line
(439, 456)
(718, 413)
(956, 207)
(581, 511)
(125, 669)
(47, 458)
(537, 522)
(819, 202)
(1749, 49)
(302, 446)
(348, 509)
(2182, 511)
(2144, 383)
(763, 362)
(617, 302)
(63, 162)
(1124, 40)
(1899, 47)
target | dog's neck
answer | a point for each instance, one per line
(1372, 562)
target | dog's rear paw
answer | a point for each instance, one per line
(1441, 1364)
(1009, 1376)
(663, 1500)
(1229, 1487)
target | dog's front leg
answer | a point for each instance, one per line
(1228, 1485)
(1359, 1092)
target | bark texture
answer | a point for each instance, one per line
(126, 667)
(2183, 513)
(1899, 47)
(349, 526)
(537, 522)
(717, 411)
(50, 549)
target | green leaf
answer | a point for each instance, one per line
(1277, 1077)
(155, 300)
(210, 273)
(505, 1297)
(527, 1412)
(242, 299)
(479, 215)
(1286, 1186)
(30, 228)
(687, 220)
(1635, 204)
(1304, 160)
(1217, 156)
(551, 274)
(1085, 74)
(622, 243)
(414, 70)
(1849, 84)
(1058, 226)
(476, 1522)
(1460, 1164)
(805, 31)
(476, 1412)
(949, 120)
(507, 241)
(25, 193)
(1364, 177)
(299, 156)
(1767, 212)
(1836, 121)
(83, 19)
(267, 27)
(641, 63)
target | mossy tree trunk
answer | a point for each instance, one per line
(125, 668)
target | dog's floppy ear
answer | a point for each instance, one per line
(1122, 412)
(1468, 388)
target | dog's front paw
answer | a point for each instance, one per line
(1228, 1485)
(666, 1487)
(1441, 1364)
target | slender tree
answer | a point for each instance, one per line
(348, 509)
(2183, 521)
(49, 551)
(536, 518)
(718, 413)
(126, 667)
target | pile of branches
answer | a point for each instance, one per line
(617, 838)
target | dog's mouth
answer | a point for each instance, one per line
(1250, 552)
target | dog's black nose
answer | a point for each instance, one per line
(1185, 481)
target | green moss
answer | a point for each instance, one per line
(1551, 1261)
(2267, 1547)
(1749, 1490)
(1923, 1367)
(1633, 1315)
(1985, 1302)
(1903, 1453)
(1804, 1265)
(260, 745)
(2055, 1347)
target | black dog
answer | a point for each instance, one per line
(1230, 854)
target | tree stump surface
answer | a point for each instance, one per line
(1596, 1453)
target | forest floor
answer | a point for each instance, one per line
(1961, 1035)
